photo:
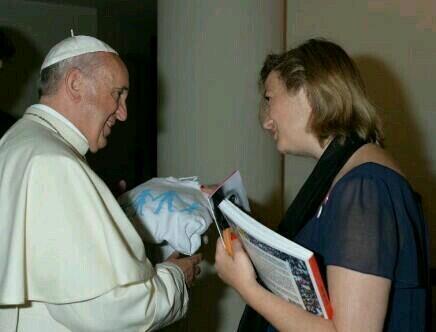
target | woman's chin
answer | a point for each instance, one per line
(281, 149)
(284, 149)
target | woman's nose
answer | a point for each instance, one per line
(264, 119)
(268, 124)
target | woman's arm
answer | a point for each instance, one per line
(359, 300)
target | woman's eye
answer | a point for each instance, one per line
(265, 103)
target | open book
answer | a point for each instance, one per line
(232, 189)
(286, 268)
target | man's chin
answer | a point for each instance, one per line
(93, 149)
(102, 145)
(102, 142)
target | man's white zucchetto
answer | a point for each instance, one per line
(74, 46)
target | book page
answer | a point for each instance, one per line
(274, 272)
(231, 188)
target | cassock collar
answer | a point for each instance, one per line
(59, 124)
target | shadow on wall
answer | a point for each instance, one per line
(404, 138)
(15, 72)
(270, 213)
(161, 102)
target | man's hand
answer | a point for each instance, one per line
(118, 188)
(189, 266)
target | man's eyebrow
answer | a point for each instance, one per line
(122, 89)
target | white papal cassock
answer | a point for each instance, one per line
(69, 257)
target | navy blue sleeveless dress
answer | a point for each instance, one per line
(372, 222)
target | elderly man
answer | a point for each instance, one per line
(70, 260)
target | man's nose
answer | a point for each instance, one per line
(122, 111)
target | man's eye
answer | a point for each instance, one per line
(117, 95)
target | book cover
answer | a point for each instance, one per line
(286, 268)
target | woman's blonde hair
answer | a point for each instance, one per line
(333, 86)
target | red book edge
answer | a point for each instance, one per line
(320, 284)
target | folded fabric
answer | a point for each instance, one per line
(169, 210)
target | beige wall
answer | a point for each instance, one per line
(394, 45)
(209, 56)
(210, 53)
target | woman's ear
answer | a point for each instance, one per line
(74, 84)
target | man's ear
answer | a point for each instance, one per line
(74, 84)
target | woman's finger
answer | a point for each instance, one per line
(237, 245)
(220, 250)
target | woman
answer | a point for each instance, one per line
(356, 210)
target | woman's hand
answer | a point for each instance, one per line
(236, 271)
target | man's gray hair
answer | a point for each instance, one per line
(50, 77)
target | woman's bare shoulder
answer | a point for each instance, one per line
(369, 153)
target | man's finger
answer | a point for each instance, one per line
(175, 254)
(196, 258)
(122, 186)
